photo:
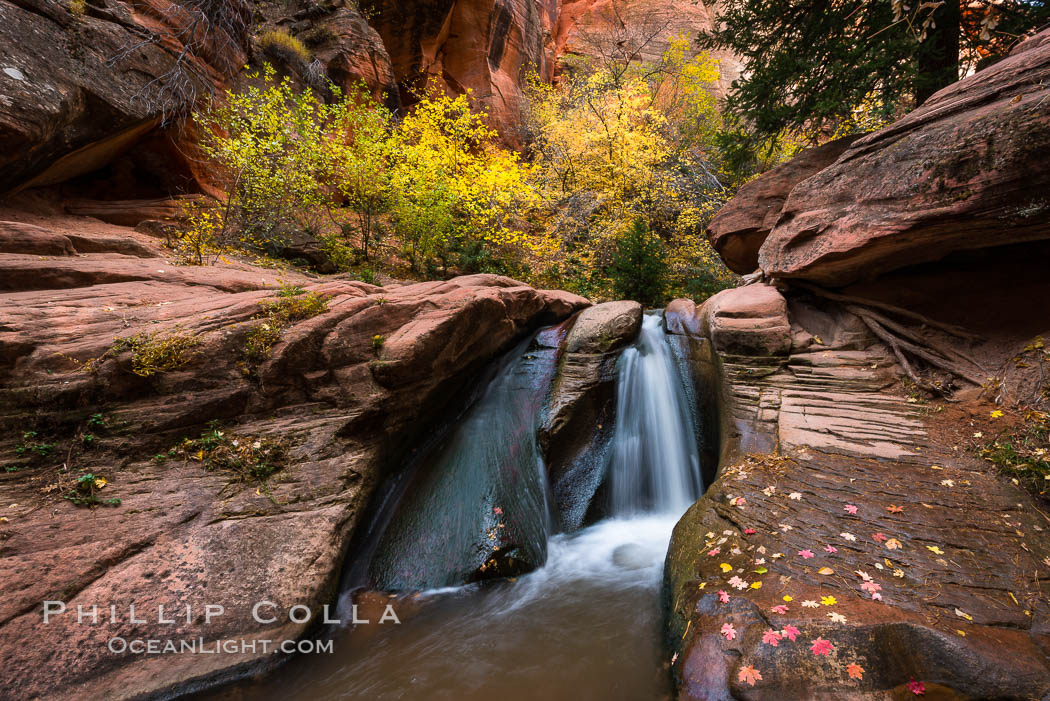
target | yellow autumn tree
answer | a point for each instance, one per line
(622, 145)
(458, 196)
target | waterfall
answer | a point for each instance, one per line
(477, 507)
(654, 465)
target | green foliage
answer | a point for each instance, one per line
(274, 148)
(85, 492)
(623, 141)
(1024, 451)
(32, 448)
(809, 66)
(292, 304)
(247, 458)
(455, 191)
(637, 270)
(155, 352)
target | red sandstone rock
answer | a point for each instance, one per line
(184, 535)
(967, 170)
(750, 320)
(742, 225)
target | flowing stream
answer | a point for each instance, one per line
(587, 623)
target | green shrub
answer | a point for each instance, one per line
(638, 270)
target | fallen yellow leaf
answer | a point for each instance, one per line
(726, 567)
(934, 549)
(825, 570)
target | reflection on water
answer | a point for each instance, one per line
(584, 626)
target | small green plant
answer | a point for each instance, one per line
(248, 458)
(78, 8)
(32, 448)
(1023, 451)
(85, 491)
(377, 342)
(290, 291)
(292, 304)
(282, 46)
(88, 439)
(97, 421)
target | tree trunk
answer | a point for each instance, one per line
(938, 59)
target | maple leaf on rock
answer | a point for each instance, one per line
(855, 671)
(830, 549)
(850, 509)
(894, 509)
(836, 617)
(790, 632)
(810, 604)
(728, 631)
(828, 600)
(917, 688)
(806, 554)
(749, 675)
(879, 537)
(848, 536)
(779, 608)
(870, 586)
(723, 597)
(771, 637)
(821, 646)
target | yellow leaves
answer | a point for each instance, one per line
(962, 614)
(935, 549)
(996, 414)
(756, 585)
(828, 600)
(726, 567)
(892, 544)
(788, 597)
(825, 571)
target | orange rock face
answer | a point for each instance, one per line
(88, 90)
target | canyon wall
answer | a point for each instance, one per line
(106, 86)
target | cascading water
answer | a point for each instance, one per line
(585, 625)
(655, 464)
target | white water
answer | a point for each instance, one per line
(655, 464)
(585, 625)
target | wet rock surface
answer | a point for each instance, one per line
(581, 411)
(841, 514)
(345, 407)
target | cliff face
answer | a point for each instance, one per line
(80, 91)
